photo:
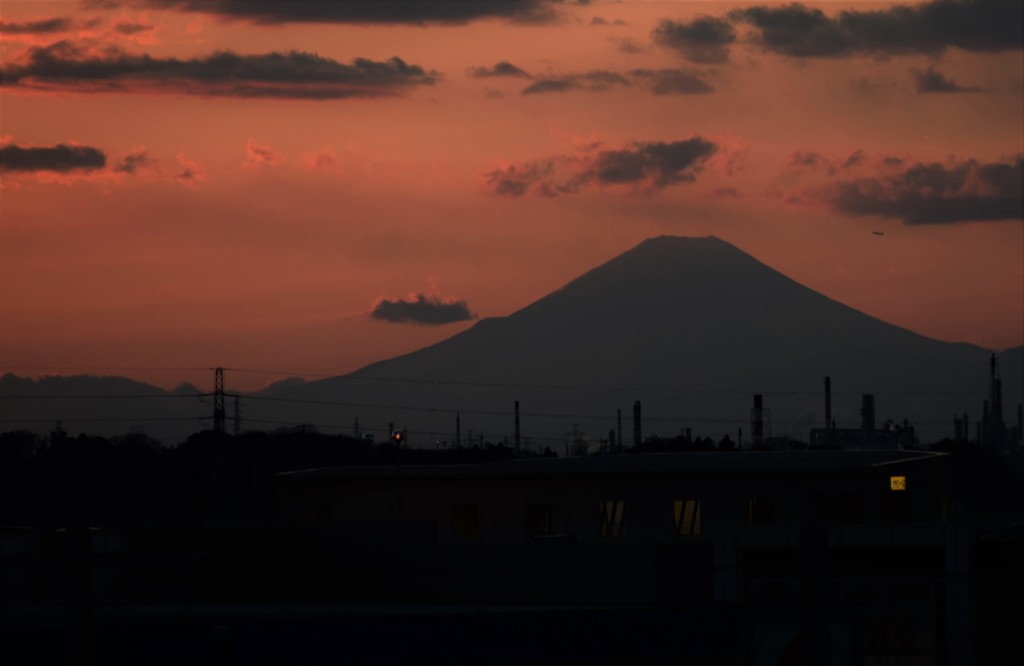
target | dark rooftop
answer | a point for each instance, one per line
(650, 464)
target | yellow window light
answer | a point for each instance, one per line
(897, 483)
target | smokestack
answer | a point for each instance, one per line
(636, 423)
(757, 421)
(867, 412)
(828, 402)
(517, 427)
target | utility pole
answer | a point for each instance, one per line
(218, 399)
(238, 417)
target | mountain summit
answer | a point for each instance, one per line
(692, 327)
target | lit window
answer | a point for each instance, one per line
(613, 518)
(897, 483)
(687, 518)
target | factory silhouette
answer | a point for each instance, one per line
(885, 529)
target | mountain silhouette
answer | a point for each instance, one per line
(692, 327)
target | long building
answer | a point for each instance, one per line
(825, 556)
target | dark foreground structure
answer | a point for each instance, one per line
(793, 557)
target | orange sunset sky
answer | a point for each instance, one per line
(262, 185)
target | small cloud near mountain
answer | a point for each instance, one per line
(423, 309)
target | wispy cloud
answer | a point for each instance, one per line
(257, 155)
(35, 27)
(503, 68)
(674, 81)
(933, 81)
(658, 81)
(593, 81)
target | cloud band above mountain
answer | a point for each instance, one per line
(416, 12)
(295, 74)
(803, 32)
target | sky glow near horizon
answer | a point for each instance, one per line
(313, 190)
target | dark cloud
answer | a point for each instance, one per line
(795, 30)
(937, 194)
(864, 86)
(811, 161)
(416, 12)
(645, 167)
(594, 81)
(854, 159)
(802, 32)
(805, 159)
(933, 81)
(133, 162)
(42, 26)
(674, 81)
(703, 40)
(420, 308)
(132, 27)
(61, 158)
(503, 68)
(516, 180)
(563, 84)
(631, 46)
(597, 20)
(295, 74)
(663, 163)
